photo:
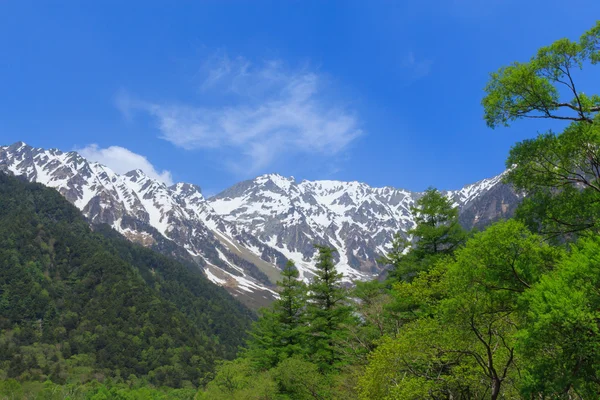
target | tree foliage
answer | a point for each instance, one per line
(77, 304)
(437, 233)
(328, 312)
(544, 87)
(463, 342)
(278, 333)
(558, 172)
(561, 341)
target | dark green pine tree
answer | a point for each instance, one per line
(328, 313)
(437, 232)
(279, 333)
(437, 229)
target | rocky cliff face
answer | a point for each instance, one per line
(241, 237)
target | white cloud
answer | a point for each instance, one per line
(270, 112)
(122, 160)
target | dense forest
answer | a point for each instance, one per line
(78, 305)
(508, 312)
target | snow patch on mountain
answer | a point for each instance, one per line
(242, 236)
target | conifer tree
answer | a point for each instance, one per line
(328, 313)
(437, 232)
(279, 332)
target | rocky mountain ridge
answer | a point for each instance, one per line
(241, 237)
(358, 220)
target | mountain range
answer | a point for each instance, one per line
(242, 236)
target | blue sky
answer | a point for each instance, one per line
(213, 92)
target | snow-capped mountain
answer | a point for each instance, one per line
(242, 237)
(357, 220)
(146, 211)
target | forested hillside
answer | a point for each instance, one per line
(78, 305)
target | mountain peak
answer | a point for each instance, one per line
(280, 181)
(135, 174)
(186, 189)
(18, 146)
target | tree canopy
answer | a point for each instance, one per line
(81, 305)
(559, 172)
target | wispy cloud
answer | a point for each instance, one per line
(416, 68)
(122, 160)
(270, 111)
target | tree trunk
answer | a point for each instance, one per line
(495, 388)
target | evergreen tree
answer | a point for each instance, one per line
(328, 313)
(437, 232)
(292, 299)
(279, 332)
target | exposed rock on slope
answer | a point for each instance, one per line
(244, 235)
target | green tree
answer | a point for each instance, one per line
(328, 312)
(239, 380)
(560, 344)
(560, 173)
(291, 303)
(462, 345)
(279, 332)
(302, 380)
(437, 232)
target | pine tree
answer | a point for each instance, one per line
(279, 333)
(290, 309)
(328, 313)
(437, 232)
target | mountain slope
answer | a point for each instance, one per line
(242, 237)
(74, 301)
(148, 212)
(357, 220)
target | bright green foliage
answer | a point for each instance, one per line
(533, 89)
(484, 285)
(302, 380)
(560, 173)
(328, 313)
(238, 380)
(416, 365)
(279, 332)
(463, 342)
(77, 305)
(437, 233)
(11, 389)
(561, 341)
(377, 319)
(293, 378)
(419, 297)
